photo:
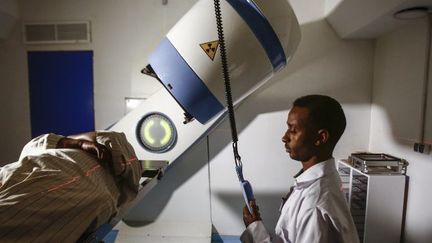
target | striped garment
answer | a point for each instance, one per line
(55, 195)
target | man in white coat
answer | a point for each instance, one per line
(315, 209)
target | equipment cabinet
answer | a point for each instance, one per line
(376, 202)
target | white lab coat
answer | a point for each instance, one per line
(315, 212)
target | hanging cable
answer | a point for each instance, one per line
(246, 187)
(227, 81)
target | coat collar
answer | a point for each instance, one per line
(305, 178)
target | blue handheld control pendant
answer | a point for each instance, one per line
(246, 188)
(247, 193)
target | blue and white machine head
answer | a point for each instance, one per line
(260, 36)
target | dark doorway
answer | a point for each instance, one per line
(61, 92)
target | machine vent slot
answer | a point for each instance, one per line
(57, 33)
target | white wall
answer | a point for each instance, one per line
(399, 65)
(14, 98)
(8, 17)
(9, 7)
(330, 5)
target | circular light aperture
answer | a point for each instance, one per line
(156, 133)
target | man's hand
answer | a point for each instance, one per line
(249, 218)
(98, 150)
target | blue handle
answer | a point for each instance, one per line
(247, 193)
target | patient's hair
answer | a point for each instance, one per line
(325, 113)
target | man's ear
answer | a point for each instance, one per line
(323, 137)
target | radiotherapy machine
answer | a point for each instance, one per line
(260, 36)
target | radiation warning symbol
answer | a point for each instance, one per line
(210, 48)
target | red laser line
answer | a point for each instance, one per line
(73, 179)
(87, 173)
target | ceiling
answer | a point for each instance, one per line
(368, 19)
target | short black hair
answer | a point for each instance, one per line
(325, 113)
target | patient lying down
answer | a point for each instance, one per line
(62, 187)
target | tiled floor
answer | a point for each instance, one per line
(125, 234)
(160, 239)
(162, 233)
(113, 237)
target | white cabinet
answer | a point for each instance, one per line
(376, 202)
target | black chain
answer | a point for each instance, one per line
(226, 77)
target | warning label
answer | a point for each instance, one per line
(210, 48)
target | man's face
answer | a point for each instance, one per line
(300, 137)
